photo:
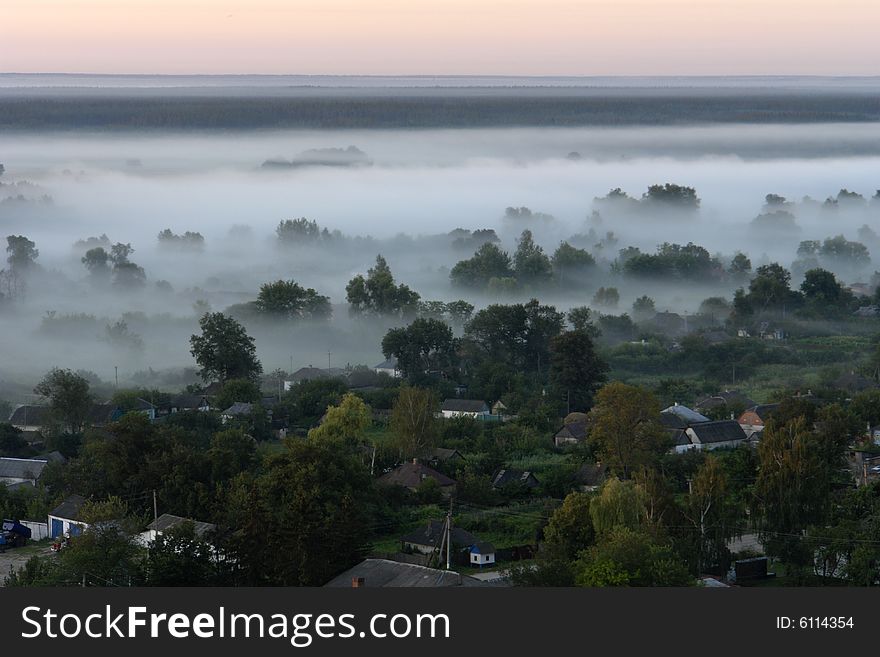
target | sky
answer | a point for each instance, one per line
(436, 37)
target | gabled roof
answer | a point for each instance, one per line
(13, 468)
(688, 415)
(30, 415)
(464, 406)
(70, 508)
(308, 374)
(575, 431)
(507, 476)
(387, 364)
(239, 408)
(411, 475)
(443, 454)
(718, 432)
(432, 535)
(188, 402)
(763, 411)
(166, 521)
(481, 547)
(385, 573)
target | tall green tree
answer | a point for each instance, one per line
(224, 350)
(626, 433)
(576, 370)
(377, 293)
(289, 300)
(69, 398)
(413, 422)
(424, 349)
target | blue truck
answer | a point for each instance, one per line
(13, 534)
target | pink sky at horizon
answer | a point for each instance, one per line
(437, 37)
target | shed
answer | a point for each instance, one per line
(66, 518)
(464, 408)
(482, 554)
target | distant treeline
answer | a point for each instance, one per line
(402, 111)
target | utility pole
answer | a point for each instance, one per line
(449, 536)
(155, 509)
(116, 371)
(328, 362)
(373, 461)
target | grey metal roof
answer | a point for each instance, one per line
(30, 415)
(432, 535)
(411, 475)
(387, 364)
(719, 432)
(70, 508)
(239, 408)
(385, 573)
(688, 415)
(166, 521)
(13, 468)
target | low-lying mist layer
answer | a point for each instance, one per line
(402, 198)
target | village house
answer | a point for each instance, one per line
(412, 475)
(464, 408)
(378, 573)
(236, 411)
(30, 418)
(510, 477)
(166, 521)
(185, 402)
(753, 420)
(427, 540)
(21, 471)
(571, 434)
(66, 518)
(440, 455)
(712, 435)
(389, 367)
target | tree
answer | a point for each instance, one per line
(346, 422)
(22, 253)
(413, 421)
(791, 489)
(570, 264)
(709, 511)
(426, 347)
(576, 371)
(740, 267)
(643, 308)
(824, 295)
(97, 261)
(581, 319)
(289, 300)
(488, 263)
(768, 290)
(626, 433)
(516, 335)
(626, 557)
(237, 390)
(224, 350)
(178, 557)
(608, 297)
(531, 264)
(120, 252)
(716, 307)
(305, 519)
(570, 529)
(672, 196)
(69, 398)
(618, 504)
(12, 442)
(378, 293)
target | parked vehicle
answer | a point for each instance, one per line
(13, 534)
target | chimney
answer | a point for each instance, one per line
(358, 582)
